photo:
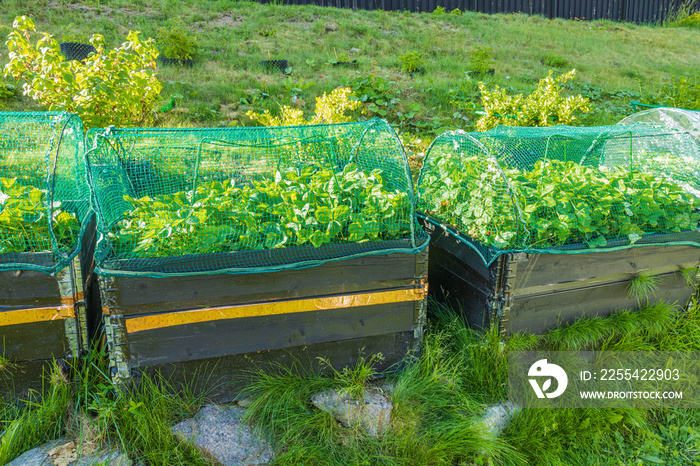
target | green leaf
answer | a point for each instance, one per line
(324, 215)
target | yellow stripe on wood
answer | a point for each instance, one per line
(39, 314)
(139, 324)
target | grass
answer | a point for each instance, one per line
(95, 414)
(611, 58)
(438, 400)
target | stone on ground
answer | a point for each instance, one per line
(497, 417)
(62, 452)
(372, 413)
(219, 433)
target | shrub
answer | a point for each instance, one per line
(681, 92)
(330, 108)
(411, 62)
(175, 41)
(115, 87)
(481, 60)
(544, 107)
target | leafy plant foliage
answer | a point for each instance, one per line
(554, 203)
(680, 92)
(545, 106)
(115, 87)
(330, 108)
(480, 59)
(24, 223)
(312, 206)
(411, 62)
(175, 41)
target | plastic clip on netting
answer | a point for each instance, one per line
(238, 200)
(44, 196)
(563, 189)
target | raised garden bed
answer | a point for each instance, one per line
(532, 227)
(225, 323)
(44, 207)
(42, 319)
(225, 245)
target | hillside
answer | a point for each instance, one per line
(612, 59)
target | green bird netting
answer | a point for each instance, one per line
(44, 196)
(563, 189)
(239, 200)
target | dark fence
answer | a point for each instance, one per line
(635, 11)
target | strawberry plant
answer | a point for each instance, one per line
(554, 203)
(24, 226)
(308, 207)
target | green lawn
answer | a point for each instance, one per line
(611, 59)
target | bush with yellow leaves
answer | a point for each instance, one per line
(330, 108)
(544, 107)
(110, 87)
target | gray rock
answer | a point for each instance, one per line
(218, 431)
(372, 413)
(354, 50)
(497, 417)
(110, 458)
(39, 456)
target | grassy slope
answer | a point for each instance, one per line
(607, 55)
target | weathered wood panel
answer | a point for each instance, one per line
(235, 336)
(536, 292)
(456, 284)
(41, 320)
(537, 313)
(223, 378)
(190, 321)
(34, 341)
(143, 295)
(22, 289)
(537, 272)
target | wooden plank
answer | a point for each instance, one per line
(223, 378)
(91, 286)
(538, 313)
(152, 295)
(27, 288)
(34, 341)
(236, 336)
(451, 289)
(538, 271)
(294, 306)
(19, 380)
(464, 269)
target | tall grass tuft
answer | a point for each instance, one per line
(434, 419)
(643, 287)
(42, 419)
